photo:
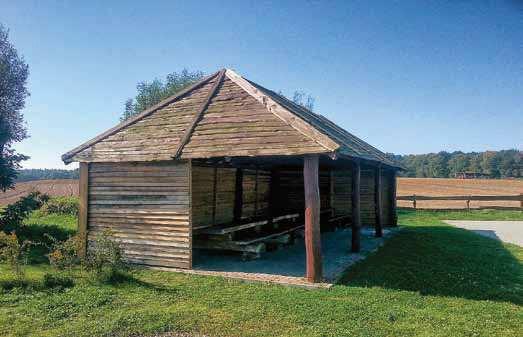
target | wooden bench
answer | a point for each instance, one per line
(224, 237)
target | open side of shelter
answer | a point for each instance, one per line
(229, 165)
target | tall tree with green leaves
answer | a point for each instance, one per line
(151, 93)
(13, 92)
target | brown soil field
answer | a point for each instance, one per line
(58, 187)
(406, 186)
(448, 187)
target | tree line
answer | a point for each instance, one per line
(494, 164)
(45, 174)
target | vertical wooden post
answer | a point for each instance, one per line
(83, 208)
(414, 201)
(356, 209)
(394, 201)
(312, 218)
(377, 195)
(521, 200)
(468, 204)
(238, 195)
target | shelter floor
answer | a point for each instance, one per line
(290, 260)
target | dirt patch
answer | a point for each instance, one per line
(56, 187)
(448, 187)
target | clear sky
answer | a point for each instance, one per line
(406, 76)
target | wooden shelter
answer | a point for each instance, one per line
(228, 164)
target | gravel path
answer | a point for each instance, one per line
(508, 231)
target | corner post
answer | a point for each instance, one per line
(356, 209)
(312, 218)
(83, 207)
(377, 195)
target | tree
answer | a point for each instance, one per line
(13, 92)
(305, 100)
(151, 93)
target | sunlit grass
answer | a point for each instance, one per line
(429, 280)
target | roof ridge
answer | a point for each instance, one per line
(67, 156)
(287, 116)
(342, 133)
(198, 116)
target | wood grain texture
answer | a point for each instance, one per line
(146, 207)
(83, 207)
(378, 189)
(312, 219)
(153, 137)
(236, 124)
(356, 206)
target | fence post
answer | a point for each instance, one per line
(468, 204)
(521, 200)
(414, 201)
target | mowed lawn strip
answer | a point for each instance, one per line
(429, 280)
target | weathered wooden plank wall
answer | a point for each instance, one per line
(146, 206)
(368, 202)
(342, 180)
(291, 191)
(386, 196)
(256, 194)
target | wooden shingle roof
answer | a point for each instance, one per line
(223, 115)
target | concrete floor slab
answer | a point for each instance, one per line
(287, 265)
(508, 231)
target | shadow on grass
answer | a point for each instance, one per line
(443, 261)
(37, 233)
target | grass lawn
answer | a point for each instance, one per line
(428, 280)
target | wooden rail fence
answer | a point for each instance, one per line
(467, 198)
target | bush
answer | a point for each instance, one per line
(65, 254)
(13, 253)
(59, 281)
(15, 213)
(105, 258)
(61, 205)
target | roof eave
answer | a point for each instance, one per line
(67, 157)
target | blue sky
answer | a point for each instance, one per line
(406, 76)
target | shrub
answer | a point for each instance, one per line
(61, 205)
(105, 258)
(65, 254)
(14, 214)
(13, 253)
(59, 281)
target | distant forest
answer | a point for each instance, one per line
(44, 174)
(495, 164)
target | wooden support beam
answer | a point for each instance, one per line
(312, 218)
(83, 207)
(356, 208)
(238, 195)
(378, 187)
(188, 132)
(393, 201)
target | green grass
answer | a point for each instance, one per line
(428, 280)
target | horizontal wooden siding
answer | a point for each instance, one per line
(146, 206)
